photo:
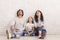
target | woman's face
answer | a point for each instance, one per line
(38, 13)
(30, 19)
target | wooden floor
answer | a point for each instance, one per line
(48, 37)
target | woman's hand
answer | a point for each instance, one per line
(39, 24)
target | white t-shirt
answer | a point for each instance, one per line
(29, 26)
(39, 21)
(19, 23)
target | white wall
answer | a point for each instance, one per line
(50, 9)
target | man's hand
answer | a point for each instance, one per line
(12, 27)
(17, 30)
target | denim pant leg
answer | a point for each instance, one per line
(44, 32)
(13, 33)
(18, 33)
(33, 34)
(36, 34)
(38, 29)
(25, 32)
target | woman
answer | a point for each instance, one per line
(39, 23)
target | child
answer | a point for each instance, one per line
(29, 27)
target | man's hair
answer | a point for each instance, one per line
(21, 11)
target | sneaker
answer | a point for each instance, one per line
(17, 36)
(25, 34)
(41, 37)
(8, 34)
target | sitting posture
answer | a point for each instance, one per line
(29, 27)
(39, 24)
(17, 25)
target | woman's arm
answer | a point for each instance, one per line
(35, 24)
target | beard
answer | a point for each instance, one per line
(20, 14)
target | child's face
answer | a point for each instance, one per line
(30, 19)
(38, 13)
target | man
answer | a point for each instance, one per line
(17, 25)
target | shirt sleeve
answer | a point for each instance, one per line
(24, 24)
(12, 22)
(35, 24)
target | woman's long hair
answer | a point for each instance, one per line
(36, 17)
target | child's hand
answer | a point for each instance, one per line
(33, 29)
(29, 33)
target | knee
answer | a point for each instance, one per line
(12, 28)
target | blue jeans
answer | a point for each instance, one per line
(17, 33)
(40, 29)
(32, 34)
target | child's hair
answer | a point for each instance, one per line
(36, 17)
(28, 20)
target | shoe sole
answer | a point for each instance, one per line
(7, 34)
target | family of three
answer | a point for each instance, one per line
(31, 27)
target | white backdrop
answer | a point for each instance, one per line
(50, 9)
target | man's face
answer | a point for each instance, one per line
(20, 13)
